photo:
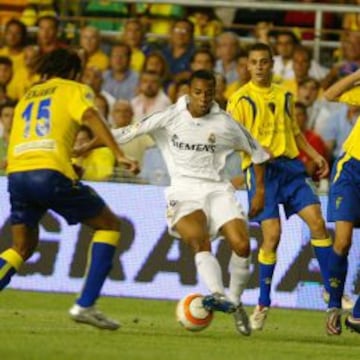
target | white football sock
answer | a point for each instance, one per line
(239, 276)
(209, 271)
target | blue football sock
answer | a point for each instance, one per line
(99, 266)
(266, 274)
(322, 250)
(267, 262)
(337, 266)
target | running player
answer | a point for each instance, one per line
(195, 136)
(41, 176)
(266, 111)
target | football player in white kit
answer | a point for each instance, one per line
(195, 136)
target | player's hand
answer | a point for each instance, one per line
(131, 165)
(322, 167)
(257, 203)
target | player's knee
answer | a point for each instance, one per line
(198, 243)
(318, 228)
(342, 245)
(242, 248)
(270, 242)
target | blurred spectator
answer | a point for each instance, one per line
(97, 164)
(123, 115)
(120, 81)
(6, 118)
(151, 97)
(313, 139)
(340, 124)
(202, 59)
(227, 49)
(205, 21)
(155, 62)
(134, 35)
(301, 62)
(48, 34)
(243, 74)
(6, 74)
(180, 48)
(318, 110)
(25, 76)
(15, 38)
(90, 41)
(285, 43)
(94, 78)
(350, 62)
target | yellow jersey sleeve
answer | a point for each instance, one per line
(351, 97)
(352, 143)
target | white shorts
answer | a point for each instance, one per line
(216, 200)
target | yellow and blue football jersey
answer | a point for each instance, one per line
(45, 124)
(267, 114)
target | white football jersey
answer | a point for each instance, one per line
(194, 149)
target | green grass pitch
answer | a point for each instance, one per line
(35, 326)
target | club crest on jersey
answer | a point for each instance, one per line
(212, 139)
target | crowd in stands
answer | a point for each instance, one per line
(134, 75)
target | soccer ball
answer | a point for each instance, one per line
(191, 314)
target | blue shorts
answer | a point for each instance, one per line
(287, 183)
(32, 193)
(344, 194)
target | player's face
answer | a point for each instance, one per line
(260, 66)
(201, 95)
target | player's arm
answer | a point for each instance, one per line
(93, 119)
(321, 163)
(145, 126)
(341, 86)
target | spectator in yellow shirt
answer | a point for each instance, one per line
(94, 165)
(90, 42)
(15, 35)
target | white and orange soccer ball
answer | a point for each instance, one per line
(191, 314)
